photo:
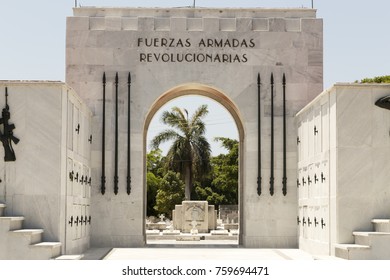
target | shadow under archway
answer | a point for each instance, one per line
(218, 96)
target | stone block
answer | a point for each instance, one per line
(260, 24)
(219, 232)
(188, 238)
(194, 24)
(244, 24)
(162, 24)
(113, 23)
(97, 23)
(129, 23)
(293, 25)
(227, 24)
(178, 24)
(145, 24)
(277, 25)
(211, 25)
(77, 23)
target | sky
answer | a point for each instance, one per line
(356, 37)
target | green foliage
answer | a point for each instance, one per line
(377, 80)
(190, 152)
(223, 186)
(170, 193)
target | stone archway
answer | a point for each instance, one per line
(221, 98)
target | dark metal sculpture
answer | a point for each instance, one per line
(259, 179)
(103, 179)
(383, 102)
(284, 181)
(7, 136)
(128, 136)
(116, 136)
(271, 180)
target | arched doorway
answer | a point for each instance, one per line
(220, 98)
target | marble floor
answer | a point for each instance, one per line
(206, 254)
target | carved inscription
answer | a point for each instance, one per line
(205, 50)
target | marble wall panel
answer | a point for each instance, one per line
(237, 81)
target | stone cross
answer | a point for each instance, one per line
(162, 216)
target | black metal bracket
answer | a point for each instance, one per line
(90, 139)
(315, 178)
(76, 178)
(298, 140)
(322, 223)
(298, 220)
(82, 179)
(304, 221)
(90, 181)
(85, 179)
(71, 175)
(298, 183)
(322, 177)
(315, 130)
(71, 221)
(315, 222)
(303, 181)
(78, 128)
(308, 222)
(81, 220)
(308, 180)
(77, 221)
(89, 220)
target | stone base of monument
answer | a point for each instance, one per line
(153, 232)
(155, 226)
(230, 226)
(219, 232)
(170, 232)
(188, 238)
(234, 231)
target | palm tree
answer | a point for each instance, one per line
(190, 152)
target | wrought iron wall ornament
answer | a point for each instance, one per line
(128, 135)
(103, 178)
(7, 136)
(383, 102)
(116, 136)
(259, 179)
(271, 180)
(284, 181)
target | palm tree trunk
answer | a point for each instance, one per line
(188, 182)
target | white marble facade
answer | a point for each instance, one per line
(226, 49)
(37, 185)
(344, 143)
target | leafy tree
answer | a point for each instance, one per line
(223, 185)
(378, 80)
(153, 179)
(190, 152)
(170, 193)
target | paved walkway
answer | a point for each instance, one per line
(206, 254)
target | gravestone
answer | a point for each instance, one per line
(199, 211)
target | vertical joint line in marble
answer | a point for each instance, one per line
(259, 179)
(271, 180)
(128, 135)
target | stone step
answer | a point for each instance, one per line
(381, 225)
(32, 236)
(45, 251)
(11, 223)
(365, 238)
(69, 257)
(2, 208)
(352, 251)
